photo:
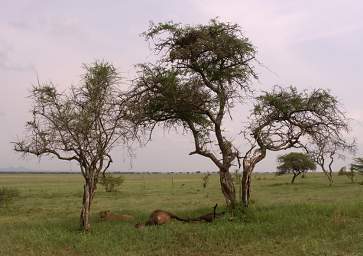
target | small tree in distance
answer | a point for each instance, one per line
(295, 163)
(355, 168)
(205, 180)
(83, 126)
(110, 182)
(324, 147)
(357, 165)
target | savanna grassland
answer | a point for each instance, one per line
(307, 218)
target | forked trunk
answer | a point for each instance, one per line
(228, 189)
(88, 193)
(328, 173)
(250, 160)
(330, 178)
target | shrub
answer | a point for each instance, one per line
(7, 195)
(342, 171)
(111, 183)
(351, 173)
(205, 180)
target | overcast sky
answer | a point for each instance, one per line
(308, 44)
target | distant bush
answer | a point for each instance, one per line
(111, 183)
(205, 180)
(351, 175)
(342, 171)
(7, 195)
(348, 173)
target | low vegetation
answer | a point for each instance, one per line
(309, 218)
(111, 183)
(7, 195)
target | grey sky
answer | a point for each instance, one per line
(308, 44)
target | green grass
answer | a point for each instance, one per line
(308, 218)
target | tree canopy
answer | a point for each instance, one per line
(357, 165)
(202, 72)
(287, 118)
(296, 163)
(82, 125)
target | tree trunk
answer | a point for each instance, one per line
(249, 162)
(294, 177)
(330, 177)
(245, 187)
(328, 173)
(88, 193)
(228, 189)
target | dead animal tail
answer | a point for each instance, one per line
(177, 218)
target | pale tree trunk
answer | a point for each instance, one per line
(88, 193)
(246, 186)
(228, 189)
(249, 162)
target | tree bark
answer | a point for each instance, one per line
(228, 189)
(88, 194)
(245, 187)
(328, 173)
(330, 178)
(249, 163)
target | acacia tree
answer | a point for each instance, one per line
(203, 71)
(295, 163)
(357, 165)
(82, 125)
(286, 118)
(324, 147)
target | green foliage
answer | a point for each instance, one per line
(289, 101)
(357, 165)
(82, 124)
(203, 70)
(173, 99)
(356, 168)
(219, 50)
(202, 73)
(7, 195)
(287, 118)
(111, 183)
(295, 162)
(308, 112)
